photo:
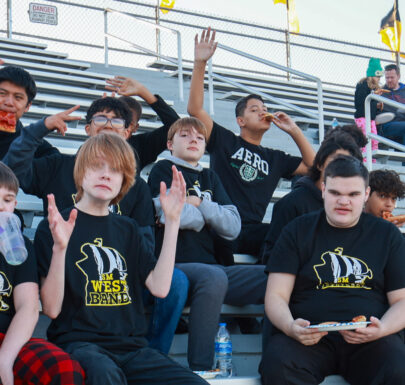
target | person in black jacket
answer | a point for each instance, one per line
(306, 195)
(17, 91)
(364, 87)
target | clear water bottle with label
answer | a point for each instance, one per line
(223, 351)
(335, 123)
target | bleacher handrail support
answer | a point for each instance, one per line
(369, 135)
(269, 63)
(179, 60)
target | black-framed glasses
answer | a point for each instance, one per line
(101, 121)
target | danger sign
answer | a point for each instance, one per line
(44, 14)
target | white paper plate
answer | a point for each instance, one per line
(340, 326)
(207, 374)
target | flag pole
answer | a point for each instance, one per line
(287, 40)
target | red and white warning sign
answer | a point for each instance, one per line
(43, 13)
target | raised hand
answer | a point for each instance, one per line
(124, 86)
(61, 230)
(285, 123)
(173, 202)
(205, 48)
(57, 121)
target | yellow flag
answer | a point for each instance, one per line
(167, 4)
(293, 23)
(292, 17)
(390, 29)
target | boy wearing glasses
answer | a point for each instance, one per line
(54, 175)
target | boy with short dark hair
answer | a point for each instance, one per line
(17, 91)
(208, 212)
(26, 360)
(386, 188)
(249, 171)
(329, 266)
(94, 265)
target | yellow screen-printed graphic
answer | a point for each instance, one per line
(107, 286)
(5, 291)
(338, 270)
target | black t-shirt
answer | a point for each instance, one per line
(340, 272)
(192, 246)
(249, 173)
(148, 145)
(54, 175)
(106, 267)
(10, 277)
(304, 198)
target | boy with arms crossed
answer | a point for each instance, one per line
(330, 266)
(26, 360)
(94, 265)
(208, 212)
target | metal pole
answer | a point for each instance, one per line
(320, 112)
(157, 19)
(105, 39)
(9, 19)
(288, 53)
(369, 162)
(210, 88)
(398, 60)
(180, 66)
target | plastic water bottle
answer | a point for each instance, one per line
(334, 123)
(223, 351)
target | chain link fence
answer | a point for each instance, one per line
(81, 26)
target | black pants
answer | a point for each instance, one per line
(287, 361)
(141, 366)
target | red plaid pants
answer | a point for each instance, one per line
(41, 363)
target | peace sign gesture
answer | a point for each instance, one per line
(57, 121)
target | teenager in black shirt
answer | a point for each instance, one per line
(306, 195)
(17, 91)
(208, 212)
(249, 172)
(26, 360)
(95, 264)
(332, 265)
(54, 175)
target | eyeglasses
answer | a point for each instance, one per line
(101, 121)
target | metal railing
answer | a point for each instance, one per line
(319, 116)
(380, 138)
(158, 27)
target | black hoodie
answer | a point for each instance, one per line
(304, 198)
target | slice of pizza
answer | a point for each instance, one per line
(7, 121)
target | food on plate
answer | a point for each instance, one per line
(7, 121)
(269, 117)
(359, 318)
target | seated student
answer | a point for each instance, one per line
(17, 91)
(54, 175)
(93, 267)
(386, 188)
(249, 172)
(329, 265)
(208, 211)
(306, 195)
(26, 360)
(147, 145)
